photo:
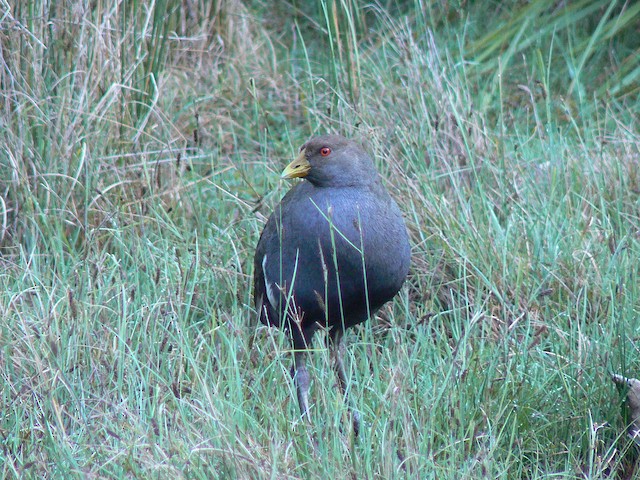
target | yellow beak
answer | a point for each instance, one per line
(298, 168)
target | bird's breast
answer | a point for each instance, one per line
(342, 253)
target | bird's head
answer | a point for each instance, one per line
(332, 161)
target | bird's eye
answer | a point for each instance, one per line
(325, 151)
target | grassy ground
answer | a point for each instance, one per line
(141, 150)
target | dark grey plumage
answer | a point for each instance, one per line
(332, 253)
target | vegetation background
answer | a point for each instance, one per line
(141, 149)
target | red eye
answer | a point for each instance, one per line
(325, 151)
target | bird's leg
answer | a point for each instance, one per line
(301, 381)
(337, 351)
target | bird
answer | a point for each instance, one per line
(333, 251)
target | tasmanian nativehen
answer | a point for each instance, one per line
(332, 253)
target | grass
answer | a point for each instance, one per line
(141, 150)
